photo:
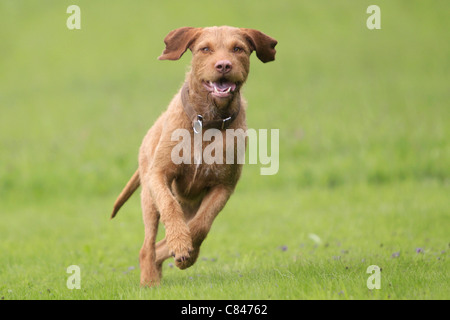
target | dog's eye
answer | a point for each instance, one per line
(206, 49)
(237, 49)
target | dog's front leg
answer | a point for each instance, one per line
(150, 272)
(201, 223)
(178, 237)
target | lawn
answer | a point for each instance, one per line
(364, 151)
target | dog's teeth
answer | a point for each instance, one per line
(228, 90)
(215, 90)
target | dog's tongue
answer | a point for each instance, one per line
(224, 85)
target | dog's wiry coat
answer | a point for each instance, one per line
(188, 197)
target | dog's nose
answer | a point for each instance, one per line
(223, 66)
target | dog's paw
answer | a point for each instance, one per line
(181, 255)
(180, 248)
(148, 282)
(184, 264)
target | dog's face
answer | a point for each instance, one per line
(221, 56)
(221, 60)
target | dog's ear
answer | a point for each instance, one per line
(261, 43)
(178, 41)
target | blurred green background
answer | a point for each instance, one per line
(364, 144)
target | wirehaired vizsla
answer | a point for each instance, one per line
(188, 196)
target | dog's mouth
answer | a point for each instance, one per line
(221, 88)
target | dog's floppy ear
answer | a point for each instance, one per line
(178, 41)
(261, 43)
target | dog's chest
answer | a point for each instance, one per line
(212, 172)
(203, 175)
(212, 161)
(196, 178)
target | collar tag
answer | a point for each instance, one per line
(198, 124)
(223, 122)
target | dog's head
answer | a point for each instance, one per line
(221, 56)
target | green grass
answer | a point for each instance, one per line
(364, 151)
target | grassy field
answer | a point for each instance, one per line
(364, 151)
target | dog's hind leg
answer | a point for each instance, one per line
(162, 253)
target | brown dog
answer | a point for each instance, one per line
(188, 196)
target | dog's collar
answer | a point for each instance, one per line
(197, 119)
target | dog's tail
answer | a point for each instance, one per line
(126, 193)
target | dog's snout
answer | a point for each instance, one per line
(223, 66)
